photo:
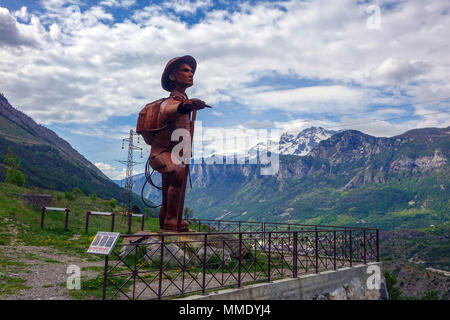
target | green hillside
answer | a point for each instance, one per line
(48, 161)
(20, 223)
(349, 179)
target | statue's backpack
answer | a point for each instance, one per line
(147, 124)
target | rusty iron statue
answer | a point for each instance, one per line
(158, 123)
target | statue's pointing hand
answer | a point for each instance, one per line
(198, 104)
(189, 105)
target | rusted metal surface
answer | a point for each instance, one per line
(158, 266)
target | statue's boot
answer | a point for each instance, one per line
(171, 224)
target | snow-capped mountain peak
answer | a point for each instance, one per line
(296, 142)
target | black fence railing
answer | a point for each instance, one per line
(243, 226)
(174, 265)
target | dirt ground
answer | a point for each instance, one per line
(43, 269)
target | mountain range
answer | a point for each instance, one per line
(347, 178)
(292, 142)
(47, 160)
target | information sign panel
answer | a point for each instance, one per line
(103, 243)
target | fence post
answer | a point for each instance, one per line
(295, 255)
(66, 222)
(269, 257)
(143, 222)
(42, 217)
(113, 215)
(129, 223)
(364, 246)
(351, 249)
(334, 249)
(205, 246)
(289, 233)
(134, 269)
(161, 267)
(264, 235)
(345, 242)
(87, 221)
(105, 275)
(240, 260)
(378, 246)
(317, 250)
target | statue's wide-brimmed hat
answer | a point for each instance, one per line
(168, 84)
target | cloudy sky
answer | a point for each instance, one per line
(85, 68)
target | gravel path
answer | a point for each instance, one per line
(43, 269)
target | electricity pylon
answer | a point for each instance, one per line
(130, 163)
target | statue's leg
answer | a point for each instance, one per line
(174, 196)
(163, 208)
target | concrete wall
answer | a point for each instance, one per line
(343, 284)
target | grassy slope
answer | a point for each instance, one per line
(21, 222)
(20, 225)
(37, 158)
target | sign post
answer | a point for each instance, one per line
(103, 244)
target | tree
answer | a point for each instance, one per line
(93, 197)
(13, 174)
(77, 192)
(188, 213)
(112, 203)
(431, 295)
(69, 195)
(391, 280)
(136, 209)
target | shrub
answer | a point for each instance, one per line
(113, 203)
(93, 197)
(69, 196)
(431, 295)
(136, 209)
(391, 280)
(13, 174)
(77, 192)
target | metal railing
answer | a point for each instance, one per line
(242, 226)
(173, 265)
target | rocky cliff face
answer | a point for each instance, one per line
(351, 174)
(369, 159)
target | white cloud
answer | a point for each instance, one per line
(118, 3)
(187, 6)
(22, 14)
(309, 99)
(399, 71)
(15, 34)
(84, 67)
(111, 172)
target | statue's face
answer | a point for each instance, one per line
(183, 76)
